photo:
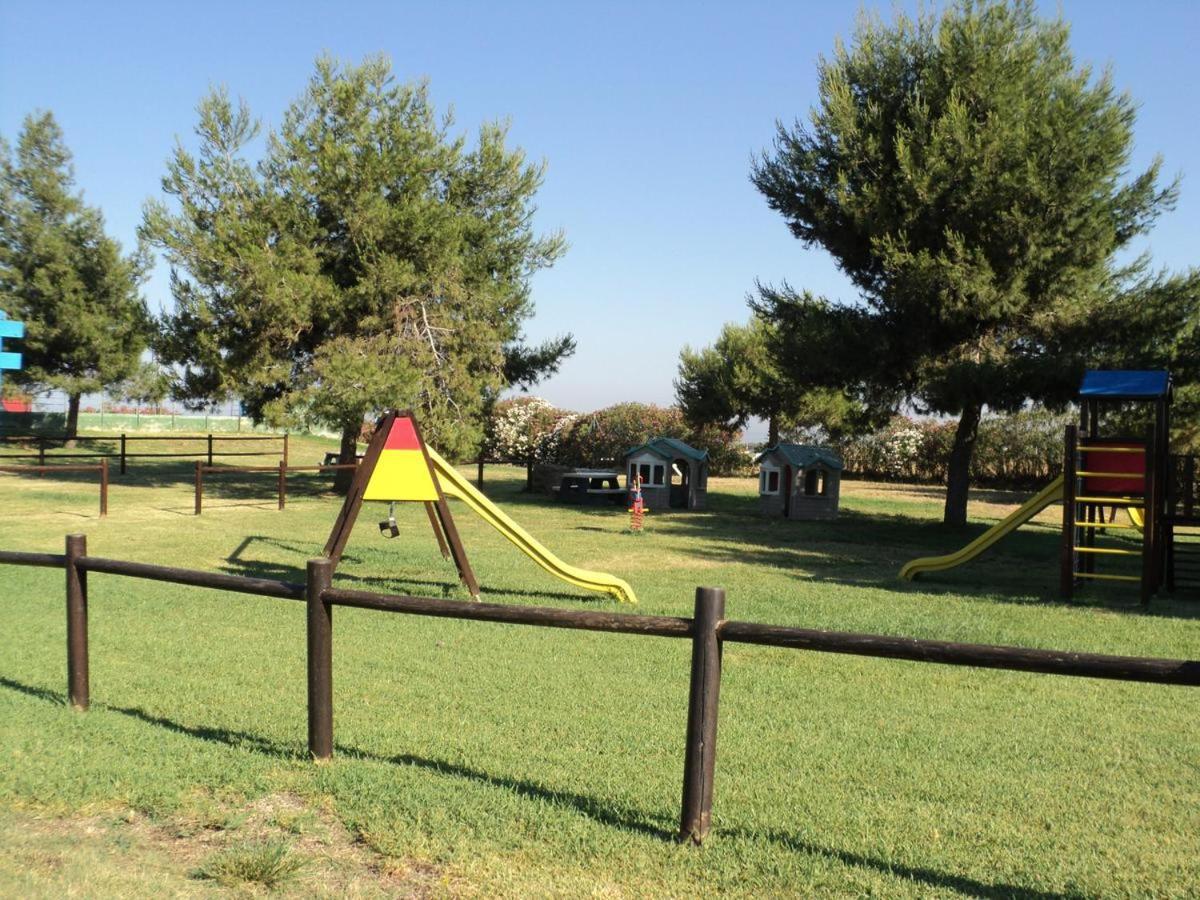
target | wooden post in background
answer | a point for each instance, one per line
(122, 453)
(320, 659)
(700, 752)
(199, 486)
(282, 483)
(77, 630)
(210, 450)
(103, 486)
(285, 451)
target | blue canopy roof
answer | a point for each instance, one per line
(1126, 384)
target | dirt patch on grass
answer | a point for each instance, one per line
(278, 845)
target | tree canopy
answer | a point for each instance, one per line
(86, 323)
(369, 259)
(739, 377)
(972, 182)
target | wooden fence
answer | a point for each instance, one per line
(708, 629)
(101, 468)
(210, 449)
(280, 470)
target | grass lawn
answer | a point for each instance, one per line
(475, 758)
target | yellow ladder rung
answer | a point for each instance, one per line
(1093, 448)
(1113, 501)
(1103, 525)
(1111, 551)
(1107, 577)
(1083, 474)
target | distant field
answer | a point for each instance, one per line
(483, 759)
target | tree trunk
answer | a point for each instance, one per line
(772, 430)
(348, 454)
(72, 431)
(479, 474)
(958, 472)
(529, 475)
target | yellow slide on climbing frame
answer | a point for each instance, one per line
(1051, 493)
(454, 485)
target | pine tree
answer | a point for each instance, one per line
(971, 180)
(368, 259)
(86, 323)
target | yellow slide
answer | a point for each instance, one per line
(1051, 493)
(454, 485)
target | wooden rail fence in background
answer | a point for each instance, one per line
(281, 471)
(707, 629)
(122, 454)
(100, 467)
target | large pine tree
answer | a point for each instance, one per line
(86, 324)
(971, 180)
(369, 259)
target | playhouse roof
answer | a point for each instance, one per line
(802, 456)
(669, 449)
(1126, 384)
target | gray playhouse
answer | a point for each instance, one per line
(797, 481)
(674, 474)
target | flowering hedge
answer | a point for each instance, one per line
(530, 429)
(1023, 448)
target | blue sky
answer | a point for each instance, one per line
(647, 113)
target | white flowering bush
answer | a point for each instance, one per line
(526, 429)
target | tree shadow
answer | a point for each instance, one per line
(655, 826)
(861, 549)
(237, 564)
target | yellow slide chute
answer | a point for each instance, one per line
(1051, 493)
(454, 485)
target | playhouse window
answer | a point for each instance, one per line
(768, 481)
(658, 474)
(644, 471)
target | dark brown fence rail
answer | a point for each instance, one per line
(281, 472)
(708, 630)
(101, 468)
(210, 449)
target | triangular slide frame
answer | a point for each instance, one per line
(440, 518)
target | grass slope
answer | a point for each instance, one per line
(500, 759)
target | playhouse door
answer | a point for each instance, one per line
(679, 492)
(787, 491)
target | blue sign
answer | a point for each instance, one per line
(9, 329)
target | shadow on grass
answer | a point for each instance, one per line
(591, 807)
(961, 883)
(861, 549)
(238, 565)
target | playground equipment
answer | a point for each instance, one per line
(1051, 493)
(1103, 475)
(9, 329)
(399, 466)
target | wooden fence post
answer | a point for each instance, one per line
(77, 630)
(103, 486)
(285, 450)
(320, 659)
(210, 449)
(700, 752)
(122, 453)
(199, 486)
(282, 484)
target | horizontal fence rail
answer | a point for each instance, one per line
(707, 629)
(242, 584)
(545, 616)
(122, 453)
(984, 656)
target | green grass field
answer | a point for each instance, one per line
(476, 758)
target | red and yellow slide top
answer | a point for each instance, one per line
(402, 471)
